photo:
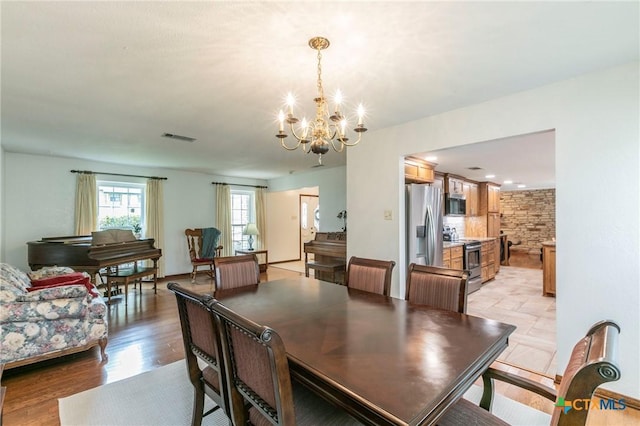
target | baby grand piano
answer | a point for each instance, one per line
(329, 251)
(78, 253)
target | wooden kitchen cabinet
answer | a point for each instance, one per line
(470, 191)
(457, 261)
(438, 182)
(454, 185)
(494, 198)
(488, 198)
(487, 260)
(446, 258)
(493, 224)
(549, 268)
(417, 170)
(452, 257)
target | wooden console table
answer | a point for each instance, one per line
(263, 265)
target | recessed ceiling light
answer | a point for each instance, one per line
(508, 182)
(490, 176)
(431, 158)
(522, 185)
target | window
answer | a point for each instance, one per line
(242, 212)
(121, 205)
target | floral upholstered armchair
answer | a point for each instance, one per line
(48, 313)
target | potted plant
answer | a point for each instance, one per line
(137, 230)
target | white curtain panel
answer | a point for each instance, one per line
(86, 213)
(261, 217)
(154, 217)
(223, 216)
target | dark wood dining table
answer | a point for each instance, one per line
(384, 360)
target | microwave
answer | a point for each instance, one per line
(455, 205)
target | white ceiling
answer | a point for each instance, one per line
(104, 80)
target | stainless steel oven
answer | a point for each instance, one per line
(473, 264)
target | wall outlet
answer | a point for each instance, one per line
(388, 215)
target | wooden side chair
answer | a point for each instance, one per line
(592, 363)
(261, 390)
(201, 345)
(203, 248)
(441, 288)
(237, 271)
(370, 275)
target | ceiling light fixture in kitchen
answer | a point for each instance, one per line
(327, 129)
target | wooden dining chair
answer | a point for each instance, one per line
(201, 343)
(261, 390)
(203, 248)
(237, 271)
(370, 275)
(593, 362)
(441, 288)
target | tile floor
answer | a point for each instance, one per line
(515, 297)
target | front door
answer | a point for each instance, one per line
(309, 219)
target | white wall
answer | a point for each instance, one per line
(596, 118)
(283, 223)
(332, 192)
(2, 192)
(39, 201)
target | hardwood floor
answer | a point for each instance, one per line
(524, 259)
(143, 335)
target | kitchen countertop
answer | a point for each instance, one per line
(549, 243)
(449, 244)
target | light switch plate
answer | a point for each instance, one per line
(387, 215)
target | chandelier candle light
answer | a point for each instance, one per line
(327, 128)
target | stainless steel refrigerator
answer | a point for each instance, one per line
(424, 224)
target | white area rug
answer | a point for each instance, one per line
(512, 412)
(163, 396)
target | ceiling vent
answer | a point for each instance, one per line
(178, 137)
(474, 168)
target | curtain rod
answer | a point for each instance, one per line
(88, 172)
(240, 184)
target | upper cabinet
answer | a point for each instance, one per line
(470, 191)
(488, 198)
(438, 181)
(454, 185)
(417, 170)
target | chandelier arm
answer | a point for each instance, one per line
(295, 135)
(287, 147)
(356, 141)
(333, 145)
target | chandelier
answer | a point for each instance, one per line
(326, 128)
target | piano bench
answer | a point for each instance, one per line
(127, 275)
(331, 268)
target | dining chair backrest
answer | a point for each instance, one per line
(236, 271)
(593, 361)
(441, 288)
(257, 370)
(370, 275)
(201, 342)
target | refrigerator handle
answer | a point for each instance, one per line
(429, 225)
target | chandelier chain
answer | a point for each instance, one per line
(320, 89)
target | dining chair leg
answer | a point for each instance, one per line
(198, 406)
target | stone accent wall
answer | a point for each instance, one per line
(528, 216)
